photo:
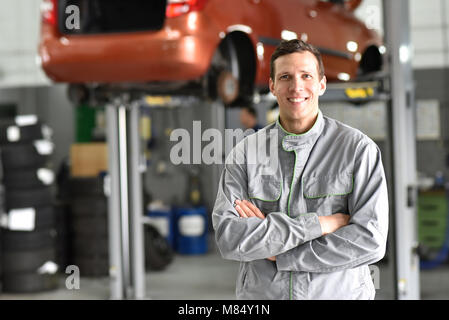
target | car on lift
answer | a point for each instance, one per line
(214, 48)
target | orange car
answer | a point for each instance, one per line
(221, 47)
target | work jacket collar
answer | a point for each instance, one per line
(291, 141)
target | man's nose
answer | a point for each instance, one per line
(297, 84)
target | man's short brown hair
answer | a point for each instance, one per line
(292, 46)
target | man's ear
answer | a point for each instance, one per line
(323, 83)
(271, 85)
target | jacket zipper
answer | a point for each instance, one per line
(288, 212)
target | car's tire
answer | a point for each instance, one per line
(86, 186)
(231, 75)
(227, 87)
(63, 240)
(45, 217)
(29, 282)
(78, 94)
(89, 206)
(158, 253)
(14, 133)
(89, 226)
(27, 240)
(90, 246)
(26, 261)
(28, 178)
(25, 198)
(92, 266)
(1, 257)
(371, 62)
(19, 156)
(223, 71)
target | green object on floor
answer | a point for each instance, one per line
(432, 218)
(85, 123)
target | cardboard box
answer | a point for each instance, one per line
(88, 159)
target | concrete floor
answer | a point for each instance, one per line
(209, 277)
(198, 277)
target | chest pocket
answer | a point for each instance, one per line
(328, 194)
(265, 193)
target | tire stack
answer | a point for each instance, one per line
(28, 225)
(2, 215)
(89, 226)
(62, 211)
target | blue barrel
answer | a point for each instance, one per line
(191, 230)
(163, 220)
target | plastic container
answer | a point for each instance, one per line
(191, 230)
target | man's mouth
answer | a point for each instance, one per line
(298, 100)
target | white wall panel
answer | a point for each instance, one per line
(429, 33)
(19, 38)
(425, 13)
(429, 60)
(428, 39)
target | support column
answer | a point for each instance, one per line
(113, 192)
(402, 113)
(136, 205)
(126, 243)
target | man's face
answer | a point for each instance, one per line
(297, 86)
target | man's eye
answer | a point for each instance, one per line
(307, 76)
(284, 77)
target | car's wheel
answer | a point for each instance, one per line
(158, 253)
(77, 93)
(371, 62)
(223, 76)
(227, 86)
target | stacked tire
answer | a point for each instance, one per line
(89, 226)
(28, 229)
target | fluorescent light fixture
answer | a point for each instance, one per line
(304, 37)
(288, 35)
(192, 20)
(260, 50)
(404, 54)
(343, 76)
(352, 46)
(240, 27)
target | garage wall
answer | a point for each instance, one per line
(170, 183)
(20, 72)
(19, 37)
(430, 33)
(432, 155)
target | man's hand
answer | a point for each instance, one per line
(246, 210)
(333, 222)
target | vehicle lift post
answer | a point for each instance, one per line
(401, 115)
(125, 210)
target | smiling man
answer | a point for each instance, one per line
(309, 229)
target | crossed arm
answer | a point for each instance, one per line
(308, 242)
(328, 224)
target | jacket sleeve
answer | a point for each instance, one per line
(363, 240)
(247, 239)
